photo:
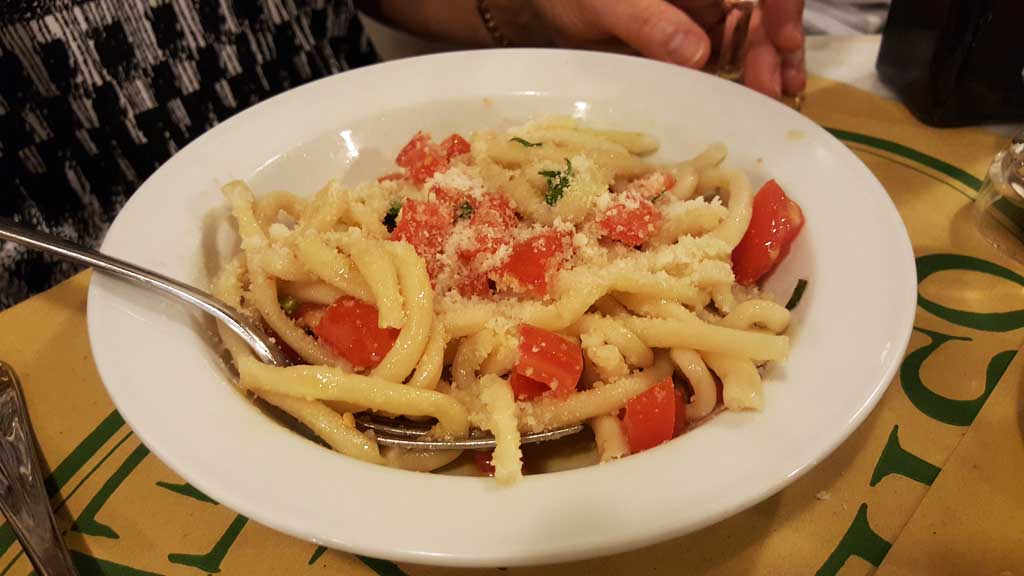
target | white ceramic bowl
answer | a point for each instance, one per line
(849, 332)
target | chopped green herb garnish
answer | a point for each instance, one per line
(798, 293)
(526, 143)
(660, 194)
(391, 220)
(465, 210)
(558, 181)
(289, 304)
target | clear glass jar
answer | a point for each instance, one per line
(999, 207)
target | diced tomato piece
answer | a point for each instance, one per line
(483, 461)
(449, 198)
(775, 222)
(495, 211)
(548, 358)
(533, 260)
(422, 158)
(427, 226)
(650, 417)
(470, 284)
(455, 145)
(680, 424)
(393, 177)
(632, 220)
(525, 388)
(350, 328)
(492, 223)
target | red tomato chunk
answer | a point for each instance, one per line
(422, 158)
(472, 284)
(534, 260)
(547, 359)
(425, 225)
(775, 222)
(632, 221)
(525, 388)
(350, 328)
(650, 418)
(449, 198)
(492, 223)
(680, 424)
(455, 145)
(483, 461)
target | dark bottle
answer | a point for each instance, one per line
(956, 62)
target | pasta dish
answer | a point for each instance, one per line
(515, 281)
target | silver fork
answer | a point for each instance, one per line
(23, 498)
(388, 433)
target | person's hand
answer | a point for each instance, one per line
(683, 32)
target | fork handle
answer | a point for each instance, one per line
(23, 498)
(248, 331)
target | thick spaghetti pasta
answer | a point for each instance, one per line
(515, 282)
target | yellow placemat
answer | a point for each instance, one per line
(125, 513)
(972, 520)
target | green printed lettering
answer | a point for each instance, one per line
(83, 452)
(95, 467)
(89, 566)
(11, 563)
(210, 562)
(896, 460)
(70, 466)
(861, 541)
(186, 490)
(958, 174)
(936, 406)
(989, 322)
(379, 567)
(316, 554)
(382, 567)
(87, 523)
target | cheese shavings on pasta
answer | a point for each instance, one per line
(534, 278)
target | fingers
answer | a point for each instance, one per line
(656, 29)
(707, 13)
(794, 72)
(762, 68)
(783, 23)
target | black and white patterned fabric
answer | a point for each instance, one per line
(96, 94)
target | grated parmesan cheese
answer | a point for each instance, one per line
(485, 262)
(463, 178)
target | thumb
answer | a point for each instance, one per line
(656, 29)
